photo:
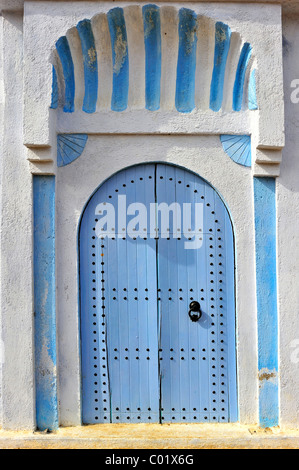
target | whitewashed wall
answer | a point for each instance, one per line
(18, 396)
(288, 230)
(17, 404)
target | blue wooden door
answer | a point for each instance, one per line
(197, 359)
(119, 306)
(143, 359)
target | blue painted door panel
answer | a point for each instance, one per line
(131, 286)
(119, 318)
(143, 359)
(196, 364)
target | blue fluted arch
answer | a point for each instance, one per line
(188, 70)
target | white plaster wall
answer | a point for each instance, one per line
(288, 244)
(290, 6)
(18, 402)
(105, 155)
(1, 150)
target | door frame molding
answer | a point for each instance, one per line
(70, 204)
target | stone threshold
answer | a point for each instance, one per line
(153, 436)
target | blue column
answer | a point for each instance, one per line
(44, 302)
(266, 291)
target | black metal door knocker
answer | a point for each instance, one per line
(195, 311)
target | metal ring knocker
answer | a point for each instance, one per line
(195, 312)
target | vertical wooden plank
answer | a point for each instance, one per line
(111, 286)
(101, 381)
(184, 260)
(130, 268)
(146, 185)
(192, 292)
(202, 295)
(167, 288)
(223, 314)
(95, 379)
(123, 272)
(45, 302)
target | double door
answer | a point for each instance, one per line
(157, 300)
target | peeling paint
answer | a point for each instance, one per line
(190, 37)
(120, 50)
(266, 374)
(92, 58)
(46, 368)
(221, 34)
(220, 37)
(120, 56)
(150, 23)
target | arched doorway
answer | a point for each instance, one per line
(157, 298)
